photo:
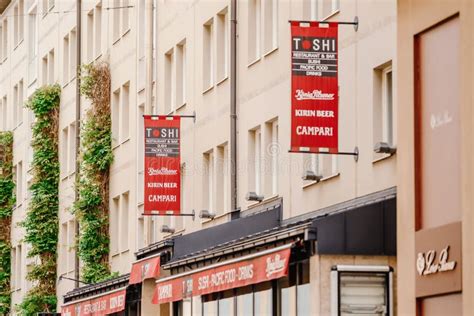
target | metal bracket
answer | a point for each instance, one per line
(192, 214)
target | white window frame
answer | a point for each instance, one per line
(388, 119)
(335, 283)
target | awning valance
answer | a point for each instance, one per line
(99, 305)
(147, 268)
(252, 269)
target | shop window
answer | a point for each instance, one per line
(244, 301)
(263, 299)
(208, 55)
(295, 291)
(364, 290)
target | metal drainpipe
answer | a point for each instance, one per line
(149, 57)
(77, 274)
(233, 104)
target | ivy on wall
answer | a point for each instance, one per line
(92, 206)
(41, 223)
(7, 200)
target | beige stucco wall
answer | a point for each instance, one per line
(414, 17)
(263, 94)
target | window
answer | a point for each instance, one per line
(67, 242)
(255, 161)
(383, 112)
(3, 115)
(21, 21)
(5, 39)
(48, 68)
(68, 150)
(119, 220)
(254, 30)
(18, 172)
(47, 6)
(16, 268)
(121, 19)
(360, 289)
(98, 29)
(169, 81)
(120, 114)
(32, 45)
(271, 153)
(270, 25)
(180, 74)
(208, 182)
(94, 32)
(222, 45)
(208, 55)
(295, 293)
(69, 57)
(5, 112)
(320, 9)
(18, 103)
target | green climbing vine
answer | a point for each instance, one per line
(7, 200)
(92, 205)
(41, 222)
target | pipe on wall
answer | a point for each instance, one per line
(233, 105)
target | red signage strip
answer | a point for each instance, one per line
(97, 306)
(235, 273)
(314, 87)
(162, 165)
(145, 269)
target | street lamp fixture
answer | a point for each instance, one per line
(384, 148)
(252, 196)
(207, 214)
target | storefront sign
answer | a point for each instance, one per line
(145, 269)
(314, 87)
(162, 165)
(438, 260)
(224, 277)
(98, 306)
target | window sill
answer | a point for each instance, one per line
(69, 81)
(121, 143)
(253, 62)
(126, 32)
(180, 107)
(208, 89)
(265, 200)
(331, 15)
(311, 183)
(17, 44)
(33, 80)
(97, 57)
(208, 220)
(381, 158)
(271, 51)
(222, 80)
(115, 41)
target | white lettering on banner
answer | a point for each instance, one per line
(166, 185)
(162, 198)
(314, 113)
(246, 272)
(425, 263)
(160, 172)
(313, 95)
(165, 291)
(117, 301)
(275, 265)
(314, 130)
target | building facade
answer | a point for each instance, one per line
(339, 231)
(435, 144)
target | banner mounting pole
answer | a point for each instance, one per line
(355, 153)
(192, 214)
(355, 22)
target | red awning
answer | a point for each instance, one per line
(99, 305)
(252, 269)
(145, 269)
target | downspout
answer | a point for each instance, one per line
(77, 274)
(233, 107)
(149, 57)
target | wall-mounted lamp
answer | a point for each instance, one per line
(252, 196)
(206, 214)
(167, 229)
(384, 148)
(311, 176)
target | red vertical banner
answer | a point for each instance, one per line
(162, 165)
(314, 87)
